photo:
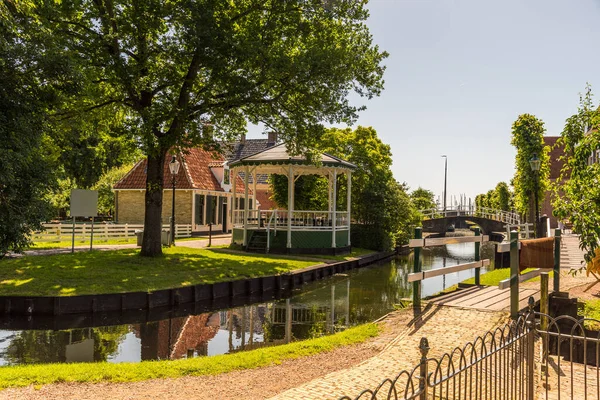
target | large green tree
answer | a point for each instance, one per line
(577, 192)
(174, 68)
(26, 164)
(528, 139)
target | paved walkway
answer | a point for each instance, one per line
(445, 328)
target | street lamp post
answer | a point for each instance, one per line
(534, 163)
(174, 168)
(445, 178)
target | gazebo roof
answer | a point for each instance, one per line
(278, 155)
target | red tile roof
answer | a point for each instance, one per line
(194, 173)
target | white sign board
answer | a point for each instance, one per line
(84, 203)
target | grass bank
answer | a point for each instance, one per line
(127, 372)
(493, 278)
(119, 271)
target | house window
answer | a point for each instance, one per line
(199, 209)
(226, 179)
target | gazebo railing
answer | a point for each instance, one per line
(301, 220)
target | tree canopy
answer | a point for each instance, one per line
(173, 69)
(26, 167)
(528, 139)
(423, 199)
(577, 192)
(499, 198)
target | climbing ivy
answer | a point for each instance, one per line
(577, 192)
(528, 139)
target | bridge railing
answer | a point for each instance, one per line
(482, 212)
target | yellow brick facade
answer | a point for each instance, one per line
(131, 207)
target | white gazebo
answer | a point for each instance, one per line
(291, 230)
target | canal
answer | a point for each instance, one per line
(315, 309)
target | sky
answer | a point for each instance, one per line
(460, 72)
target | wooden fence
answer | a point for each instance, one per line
(102, 231)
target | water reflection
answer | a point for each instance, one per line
(314, 310)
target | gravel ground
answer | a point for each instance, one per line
(257, 383)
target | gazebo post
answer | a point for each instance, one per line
(349, 200)
(246, 176)
(233, 202)
(334, 207)
(290, 205)
(255, 207)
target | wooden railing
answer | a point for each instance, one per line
(102, 231)
(301, 220)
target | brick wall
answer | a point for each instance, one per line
(131, 206)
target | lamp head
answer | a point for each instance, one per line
(174, 166)
(534, 163)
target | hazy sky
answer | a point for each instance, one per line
(460, 72)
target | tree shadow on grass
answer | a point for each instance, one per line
(125, 271)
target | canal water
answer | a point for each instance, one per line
(315, 309)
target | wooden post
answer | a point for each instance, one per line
(544, 300)
(73, 237)
(477, 257)
(514, 274)
(92, 234)
(417, 268)
(246, 181)
(557, 260)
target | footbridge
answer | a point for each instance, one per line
(488, 219)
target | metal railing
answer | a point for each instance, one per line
(482, 212)
(535, 356)
(301, 220)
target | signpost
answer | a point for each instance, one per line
(84, 203)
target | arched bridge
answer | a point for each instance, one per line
(489, 220)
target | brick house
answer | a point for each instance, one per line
(202, 195)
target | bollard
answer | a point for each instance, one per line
(544, 300)
(417, 268)
(557, 260)
(514, 274)
(477, 257)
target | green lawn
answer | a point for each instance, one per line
(126, 372)
(119, 271)
(590, 309)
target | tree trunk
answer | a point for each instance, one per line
(151, 244)
(531, 210)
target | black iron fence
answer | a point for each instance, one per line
(533, 357)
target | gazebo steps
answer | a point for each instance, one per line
(257, 242)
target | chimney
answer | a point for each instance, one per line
(243, 138)
(271, 138)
